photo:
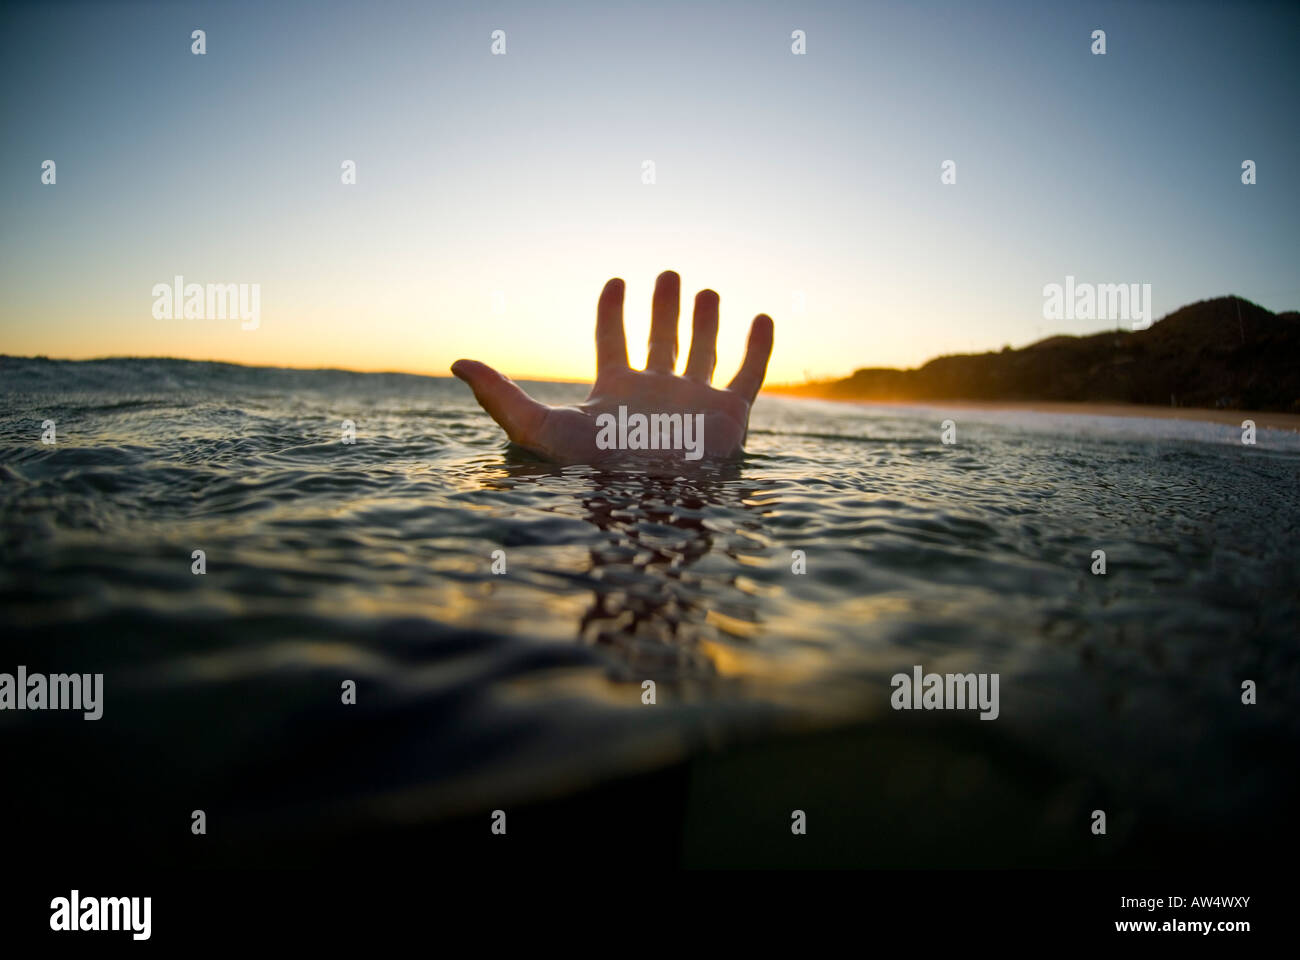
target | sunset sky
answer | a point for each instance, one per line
(496, 194)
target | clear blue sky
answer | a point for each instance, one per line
(496, 194)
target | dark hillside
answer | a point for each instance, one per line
(1226, 352)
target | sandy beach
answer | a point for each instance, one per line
(1274, 421)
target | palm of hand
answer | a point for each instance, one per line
(569, 434)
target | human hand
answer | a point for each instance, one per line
(570, 434)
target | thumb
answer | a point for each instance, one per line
(519, 415)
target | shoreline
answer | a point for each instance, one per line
(1263, 419)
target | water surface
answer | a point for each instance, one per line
(372, 562)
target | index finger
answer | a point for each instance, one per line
(611, 341)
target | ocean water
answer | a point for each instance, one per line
(372, 562)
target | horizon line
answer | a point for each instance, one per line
(551, 379)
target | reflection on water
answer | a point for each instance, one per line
(647, 606)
